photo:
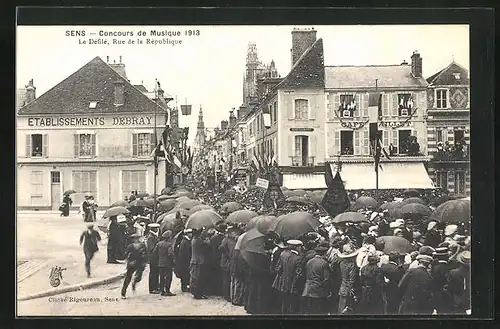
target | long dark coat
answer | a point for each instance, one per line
(66, 203)
(226, 250)
(258, 291)
(114, 240)
(442, 299)
(182, 259)
(458, 285)
(372, 282)
(432, 238)
(240, 274)
(214, 274)
(317, 278)
(416, 292)
(392, 295)
(285, 271)
(299, 280)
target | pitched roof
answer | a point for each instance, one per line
(20, 97)
(446, 77)
(94, 82)
(389, 76)
(141, 88)
(308, 71)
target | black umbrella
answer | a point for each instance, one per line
(115, 211)
(230, 207)
(167, 205)
(203, 218)
(241, 216)
(253, 249)
(295, 224)
(264, 223)
(69, 192)
(139, 203)
(171, 222)
(415, 209)
(452, 212)
(411, 193)
(397, 244)
(121, 203)
(200, 207)
(184, 212)
(365, 202)
(298, 199)
(413, 200)
(349, 217)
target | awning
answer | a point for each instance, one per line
(393, 175)
(304, 181)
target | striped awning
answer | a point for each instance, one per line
(393, 175)
(304, 181)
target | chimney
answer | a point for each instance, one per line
(241, 112)
(119, 67)
(232, 118)
(416, 64)
(107, 59)
(223, 124)
(301, 40)
(119, 93)
(30, 92)
(404, 63)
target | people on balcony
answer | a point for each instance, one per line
(413, 146)
(348, 149)
(459, 151)
(392, 149)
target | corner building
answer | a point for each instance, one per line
(92, 133)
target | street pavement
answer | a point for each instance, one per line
(48, 237)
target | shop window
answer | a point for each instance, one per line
(133, 180)
(347, 142)
(84, 182)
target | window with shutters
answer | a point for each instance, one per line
(441, 98)
(405, 104)
(36, 145)
(439, 135)
(385, 105)
(275, 116)
(301, 109)
(144, 144)
(460, 182)
(36, 182)
(84, 183)
(347, 105)
(85, 145)
(366, 143)
(133, 180)
(442, 179)
(347, 142)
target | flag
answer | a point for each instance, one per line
(374, 100)
(254, 167)
(328, 174)
(336, 200)
(176, 161)
(258, 161)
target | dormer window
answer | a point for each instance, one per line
(92, 105)
(346, 113)
(456, 75)
(405, 102)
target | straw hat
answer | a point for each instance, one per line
(153, 225)
(424, 258)
(431, 225)
(294, 243)
(348, 251)
(426, 250)
(450, 230)
(464, 257)
(441, 251)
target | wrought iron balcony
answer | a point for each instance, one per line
(452, 155)
(302, 161)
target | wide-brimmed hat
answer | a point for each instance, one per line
(393, 225)
(464, 257)
(294, 243)
(153, 225)
(441, 251)
(188, 230)
(322, 247)
(398, 230)
(348, 251)
(425, 258)
(450, 230)
(426, 250)
(431, 225)
(221, 227)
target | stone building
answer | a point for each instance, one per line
(448, 128)
(93, 133)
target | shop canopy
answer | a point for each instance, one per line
(304, 181)
(393, 175)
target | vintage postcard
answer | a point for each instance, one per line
(243, 170)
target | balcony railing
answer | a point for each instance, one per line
(455, 155)
(301, 161)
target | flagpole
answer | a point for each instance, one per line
(155, 156)
(375, 148)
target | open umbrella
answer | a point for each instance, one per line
(182, 189)
(241, 216)
(203, 218)
(415, 209)
(139, 203)
(300, 193)
(364, 202)
(452, 212)
(161, 218)
(262, 223)
(184, 193)
(115, 211)
(298, 199)
(188, 204)
(230, 207)
(69, 192)
(142, 194)
(162, 197)
(200, 207)
(150, 202)
(411, 193)
(121, 203)
(184, 212)
(295, 224)
(167, 205)
(413, 200)
(349, 217)
(182, 199)
(171, 222)
(284, 188)
(397, 244)
(253, 249)
(166, 191)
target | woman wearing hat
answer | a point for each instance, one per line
(349, 272)
(416, 288)
(372, 282)
(317, 287)
(114, 237)
(458, 284)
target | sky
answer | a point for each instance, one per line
(207, 70)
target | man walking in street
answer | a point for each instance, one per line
(136, 261)
(165, 251)
(89, 238)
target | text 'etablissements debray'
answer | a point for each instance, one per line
(171, 37)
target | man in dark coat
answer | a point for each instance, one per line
(85, 208)
(226, 250)
(415, 287)
(215, 271)
(433, 236)
(239, 276)
(372, 284)
(66, 203)
(165, 251)
(442, 299)
(458, 284)
(275, 295)
(393, 272)
(183, 259)
(318, 285)
(349, 285)
(136, 262)
(89, 238)
(299, 281)
(286, 269)
(154, 271)
(114, 235)
(197, 265)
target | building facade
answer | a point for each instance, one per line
(448, 128)
(96, 139)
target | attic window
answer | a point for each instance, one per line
(92, 105)
(456, 75)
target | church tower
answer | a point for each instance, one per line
(200, 132)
